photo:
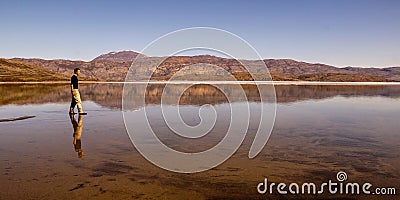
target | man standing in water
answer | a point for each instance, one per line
(76, 97)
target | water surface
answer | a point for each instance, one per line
(319, 130)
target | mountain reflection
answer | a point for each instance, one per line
(110, 95)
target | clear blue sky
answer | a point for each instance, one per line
(336, 32)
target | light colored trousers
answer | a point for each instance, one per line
(76, 101)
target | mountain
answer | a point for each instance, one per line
(280, 70)
(321, 72)
(295, 68)
(94, 70)
(392, 73)
(107, 67)
(13, 71)
(119, 57)
(113, 66)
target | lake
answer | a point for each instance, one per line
(319, 131)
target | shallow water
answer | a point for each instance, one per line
(319, 131)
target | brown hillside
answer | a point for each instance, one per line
(115, 65)
(12, 71)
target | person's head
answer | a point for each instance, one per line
(77, 71)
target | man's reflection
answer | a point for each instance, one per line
(77, 134)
